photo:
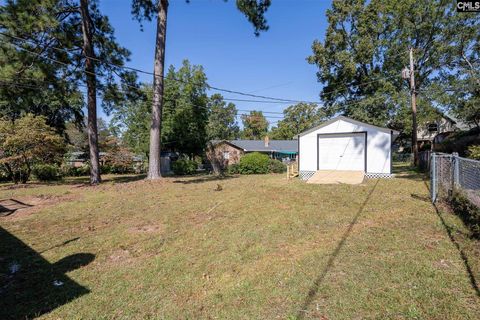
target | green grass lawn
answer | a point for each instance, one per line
(261, 248)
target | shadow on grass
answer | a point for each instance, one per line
(321, 277)
(407, 171)
(204, 178)
(463, 256)
(30, 285)
(9, 206)
(82, 180)
(420, 197)
(105, 179)
(125, 179)
(64, 243)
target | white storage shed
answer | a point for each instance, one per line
(348, 145)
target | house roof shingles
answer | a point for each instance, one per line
(286, 146)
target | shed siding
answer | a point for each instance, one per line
(378, 146)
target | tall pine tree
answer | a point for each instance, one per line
(254, 10)
(54, 48)
(366, 47)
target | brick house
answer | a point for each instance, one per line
(222, 153)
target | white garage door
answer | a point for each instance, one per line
(341, 151)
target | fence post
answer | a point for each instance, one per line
(453, 171)
(456, 171)
(433, 178)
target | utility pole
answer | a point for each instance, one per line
(410, 74)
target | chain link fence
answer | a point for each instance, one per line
(450, 173)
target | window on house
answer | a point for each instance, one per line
(226, 155)
(432, 127)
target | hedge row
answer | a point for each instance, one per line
(468, 212)
(52, 172)
(184, 167)
(257, 163)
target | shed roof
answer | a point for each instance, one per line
(326, 123)
(286, 146)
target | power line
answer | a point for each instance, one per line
(164, 99)
(258, 116)
(3, 83)
(85, 71)
(278, 100)
(270, 112)
(255, 101)
(211, 87)
(150, 73)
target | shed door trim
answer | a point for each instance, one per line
(346, 133)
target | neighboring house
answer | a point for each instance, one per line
(222, 153)
(347, 145)
(437, 131)
(78, 159)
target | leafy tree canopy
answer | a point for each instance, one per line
(254, 11)
(78, 140)
(365, 48)
(133, 119)
(297, 118)
(222, 122)
(41, 61)
(185, 113)
(28, 141)
(255, 125)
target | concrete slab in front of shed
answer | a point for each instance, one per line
(337, 177)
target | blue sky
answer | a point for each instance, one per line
(214, 34)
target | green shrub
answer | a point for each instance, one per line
(119, 160)
(71, 171)
(254, 163)
(105, 169)
(47, 172)
(26, 142)
(68, 171)
(83, 170)
(233, 168)
(140, 167)
(474, 152)
(4, 175)
(117, 168)
(184, 167)
(468, 212)
(276, 166)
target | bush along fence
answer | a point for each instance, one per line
(457, 180)
(424, 160)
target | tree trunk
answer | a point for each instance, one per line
(156, 127)
(91, 93)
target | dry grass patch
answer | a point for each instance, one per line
(261, 248)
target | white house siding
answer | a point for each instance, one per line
(444, 125)
(378, 148)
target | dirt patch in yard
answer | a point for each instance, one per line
(18, 207)
(120, 256)
(147, 228)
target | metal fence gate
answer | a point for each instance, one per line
(450, 173)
